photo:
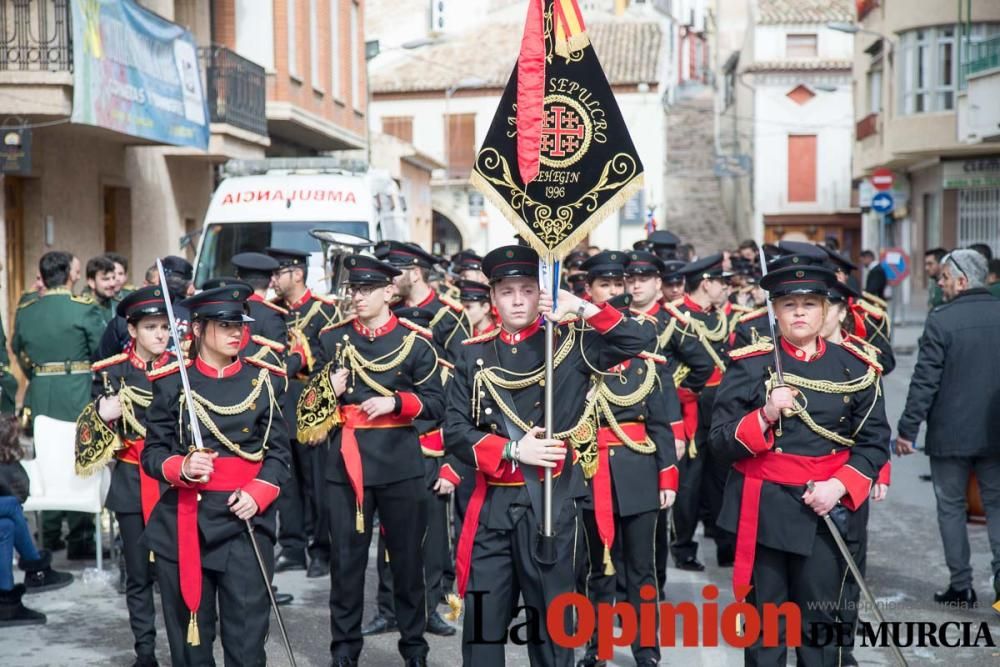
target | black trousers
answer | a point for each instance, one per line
(138, 584)
(686, 506)
(713, 484)
(243, 609)
(402, 509)
(436, 557)
(291, 502)
(634, 535)
(779, 577)
(503, 570)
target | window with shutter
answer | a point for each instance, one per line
(460, 131)
(400, 127)
(801, 167)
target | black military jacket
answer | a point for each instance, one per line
(688, 359)
(242, 407)
(749, 327)
(638, 469)
(449, 326)
(850, 409)
(399, 359)
(475, 426)
(127, 376)
(869, 321)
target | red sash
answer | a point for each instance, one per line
(353, 418)
(601, 482)
(508, 476)
(790, 469)
(149, 488)
(689, 412)
(432, 443)
(230, 473)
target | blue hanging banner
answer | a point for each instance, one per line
(137, 73)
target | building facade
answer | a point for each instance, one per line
(784, 103)
(926, 91)
(279, 77)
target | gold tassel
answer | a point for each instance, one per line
(609, 567)
(194, 639)
(454, 607)
(692, 449)
(386, 555)
(152, 557)
(359, 521)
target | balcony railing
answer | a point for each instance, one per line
(235, 88)
(866, 127)
(35, 36)
(981, 56)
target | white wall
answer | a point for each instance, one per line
(769, 42)
(828, 115)
(643, 114)
(255, 31)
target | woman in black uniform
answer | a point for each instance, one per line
(205, 562)
(826, 424)
(114, 427)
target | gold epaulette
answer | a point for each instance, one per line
(85, 299)
(275, 307)
(762, 346)
(169, 369)
(878, 301)
(863, 354)
(267, 342)
(675, 313)
(454, 305)
(335, 325)
(260, 363)
(871, 309)
(27, 303)
(754, 314)
(482, 338)
(413, 326)
(110, 361)
(658, 358)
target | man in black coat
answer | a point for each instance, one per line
(875, 280)
(955, 388)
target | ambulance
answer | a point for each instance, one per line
(275, 202)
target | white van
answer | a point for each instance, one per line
(282, 199)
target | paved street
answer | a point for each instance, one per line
(88, 624)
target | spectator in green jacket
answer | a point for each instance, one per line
(932, 266)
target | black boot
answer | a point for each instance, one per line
(290, 559)
(953, 598)
(145, 661)
(379, 625)
(438, 626)
(590, 659)
(39, 575)
(12, 612)
(319, 566)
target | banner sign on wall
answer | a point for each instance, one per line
(137, 73)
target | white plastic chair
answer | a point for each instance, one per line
(54, 482)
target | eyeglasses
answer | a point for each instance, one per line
(954, 261)
(363, 291)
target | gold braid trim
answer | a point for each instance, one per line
(706, 337)
(360, 367)
(759, 345)
(664, 338)
(680, 374)
(96, 443)
(202, 407)
(297, 337)
(316, 411)
(827, 387)
(130, 397)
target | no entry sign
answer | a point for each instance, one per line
(883, 179)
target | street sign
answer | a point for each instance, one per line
(896, 264)
(865, 193)
(883, 179)
(883, 202)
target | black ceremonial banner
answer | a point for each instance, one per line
(588, 164)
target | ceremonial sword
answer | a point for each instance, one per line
(200, 446)
(853, 567)
(770, 322)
